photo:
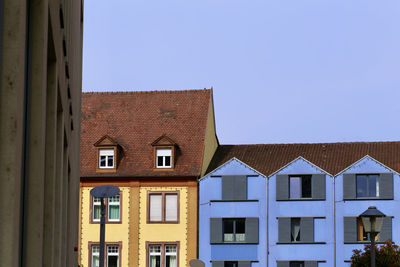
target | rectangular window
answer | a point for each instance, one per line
(112, 256)
(163, 157)
(162, 255)
(95, 256)
(163, 207)
(297, 264)
(234, 230)
(367, 185)
(114, 209)
(230, 264)
(361, 234)
(96, 209)
(300, 186)
(106, 158)
(295, 229)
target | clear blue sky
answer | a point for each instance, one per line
(283, 71)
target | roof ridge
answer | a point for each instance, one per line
(149, 92)
(326, 143)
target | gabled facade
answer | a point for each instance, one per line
(153, 146)
(365, 183)
(232, 216)
(300, 209)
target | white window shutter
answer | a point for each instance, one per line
(164, 152)
(155, 208)
(106, 152)
(171, 208)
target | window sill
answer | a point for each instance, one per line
(236, 200)
(365, 242)
(300, 243)
(367, 198)
(302, 199)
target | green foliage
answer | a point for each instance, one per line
(386, 255)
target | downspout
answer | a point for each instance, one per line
(334, 223)
(267, 218)
(25, 136)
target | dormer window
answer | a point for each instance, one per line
(107, 154)
(164, 157)
(106, 158)
(164, 152)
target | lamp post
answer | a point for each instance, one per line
(372, 220)
(103, 191)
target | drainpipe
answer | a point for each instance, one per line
(267, 218)
(334, 223)
(25, 137)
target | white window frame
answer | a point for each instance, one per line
(164, 152)
(152, 253)
(96, 202)
(97, 253)
(114, 203)
(113, 253)
(106, 152)
(175, 253)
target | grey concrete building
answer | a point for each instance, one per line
(40, 94)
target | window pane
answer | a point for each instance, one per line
(167, 161)
(96, 212)
(171, 207)
(102, 161)
(373, 186)
(155, 261)
(362, 186)
(160, 161)
(112, 261)
(295, 183)
(296, 264)
(95, 260)
(170, 256)
(230, 264)
(110, 161)
(240, 230)
(113, 212)
(295, 229)
(228, 230)
(155, 208)
(306, 186)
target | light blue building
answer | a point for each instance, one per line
(306, 210)
(300, 210)
(363, 184)
(232, 216)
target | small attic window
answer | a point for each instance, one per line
(106, 158)
(164, 152)
(164, 157)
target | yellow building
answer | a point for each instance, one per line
(153, 146)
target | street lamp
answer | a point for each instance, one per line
(103, 191)
(372, 220)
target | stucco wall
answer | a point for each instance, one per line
(210, 140)
(315, 208)
(210, 189)
(356, 207)
(115, 232)
(163, 232)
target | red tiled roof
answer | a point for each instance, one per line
(136, 119)
(331, 157)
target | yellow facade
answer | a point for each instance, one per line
(163, 232)
(115, 232)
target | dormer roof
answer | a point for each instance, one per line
(163, 140)
(105, 141)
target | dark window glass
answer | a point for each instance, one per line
(306, 186)
(167, 161)
(112, 261)
(297, 264)
(230, 264)
(367, 185)
(110, 161)
(102, 161)
(234, 230)
(295, 229)
(160, 161)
